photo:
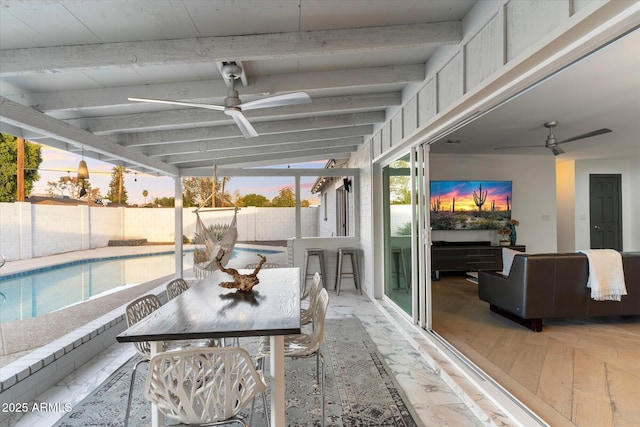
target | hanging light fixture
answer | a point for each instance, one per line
(83, 170)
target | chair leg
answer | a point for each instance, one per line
(266, 408)
(260, 367)
(356, 273)
(265, 404)
(133, 379)
(338, 274)
(322, 389)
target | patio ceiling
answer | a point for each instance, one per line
(68, 67)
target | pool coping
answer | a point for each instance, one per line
(16, 275)
(32, 374)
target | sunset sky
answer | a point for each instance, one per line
(57, 163)
(463, 193)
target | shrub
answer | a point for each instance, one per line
(404, 229)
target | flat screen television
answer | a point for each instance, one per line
(470, 205)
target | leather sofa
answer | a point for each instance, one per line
(545, 286)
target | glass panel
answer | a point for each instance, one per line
(397, 220)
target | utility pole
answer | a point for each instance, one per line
(20, 171)
(120, 189)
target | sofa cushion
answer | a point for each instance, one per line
(507, 259)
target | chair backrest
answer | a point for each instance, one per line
(176, 287)
(316, 285)
(138, 310)
(254, 265)
(319, 315)
(203, 385)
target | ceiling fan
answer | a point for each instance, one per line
(233, 106)
(552, 142)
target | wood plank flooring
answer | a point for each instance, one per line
(576, 372)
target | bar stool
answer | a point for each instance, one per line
(400, 268)
(308, 253)
(353, 254)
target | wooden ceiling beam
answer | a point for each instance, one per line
(16, 62)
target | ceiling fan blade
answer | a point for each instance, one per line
(556, 151)
(186, 104)
(586, 135)
(245, 127)
(519, 146)
(277, 101)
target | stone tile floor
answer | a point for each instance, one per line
(433, 387)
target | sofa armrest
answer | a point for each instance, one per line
(505, 292)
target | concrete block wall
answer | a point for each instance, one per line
(258, 224)
(105, 224)
(28, 231)
(155, 226)
(280, 222)
(15, 230)
(61, 227)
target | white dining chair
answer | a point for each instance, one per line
(306, 314)
(305, 345)
(204, 386)
(176, 287)
(135, 312)
(254, 265)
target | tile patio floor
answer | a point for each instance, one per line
(431, 384)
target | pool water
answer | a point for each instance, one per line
(30, 294)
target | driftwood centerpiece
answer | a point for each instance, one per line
(241, 282)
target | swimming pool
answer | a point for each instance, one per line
(32, 293)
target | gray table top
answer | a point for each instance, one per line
(208, 311)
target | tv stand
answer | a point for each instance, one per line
(467, 256)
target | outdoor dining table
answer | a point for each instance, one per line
(207, 310)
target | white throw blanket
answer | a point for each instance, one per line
(606, 277)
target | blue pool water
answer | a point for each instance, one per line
(32, 293)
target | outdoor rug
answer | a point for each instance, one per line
(358, 388)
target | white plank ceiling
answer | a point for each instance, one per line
(68, 67)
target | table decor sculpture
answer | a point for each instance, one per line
(241, 282)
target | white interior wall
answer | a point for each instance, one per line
(565, 190)
(534, 195)
(633, 228)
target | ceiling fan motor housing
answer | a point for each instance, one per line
(551, 138)
(232, 99)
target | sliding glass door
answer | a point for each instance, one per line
(397, 233)
(406, 231)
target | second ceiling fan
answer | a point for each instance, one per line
(552, 142)
(233, 107)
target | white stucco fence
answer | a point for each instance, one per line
(29, 230)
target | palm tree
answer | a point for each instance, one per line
(145, 193)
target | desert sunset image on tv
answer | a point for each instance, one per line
(470, 205)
